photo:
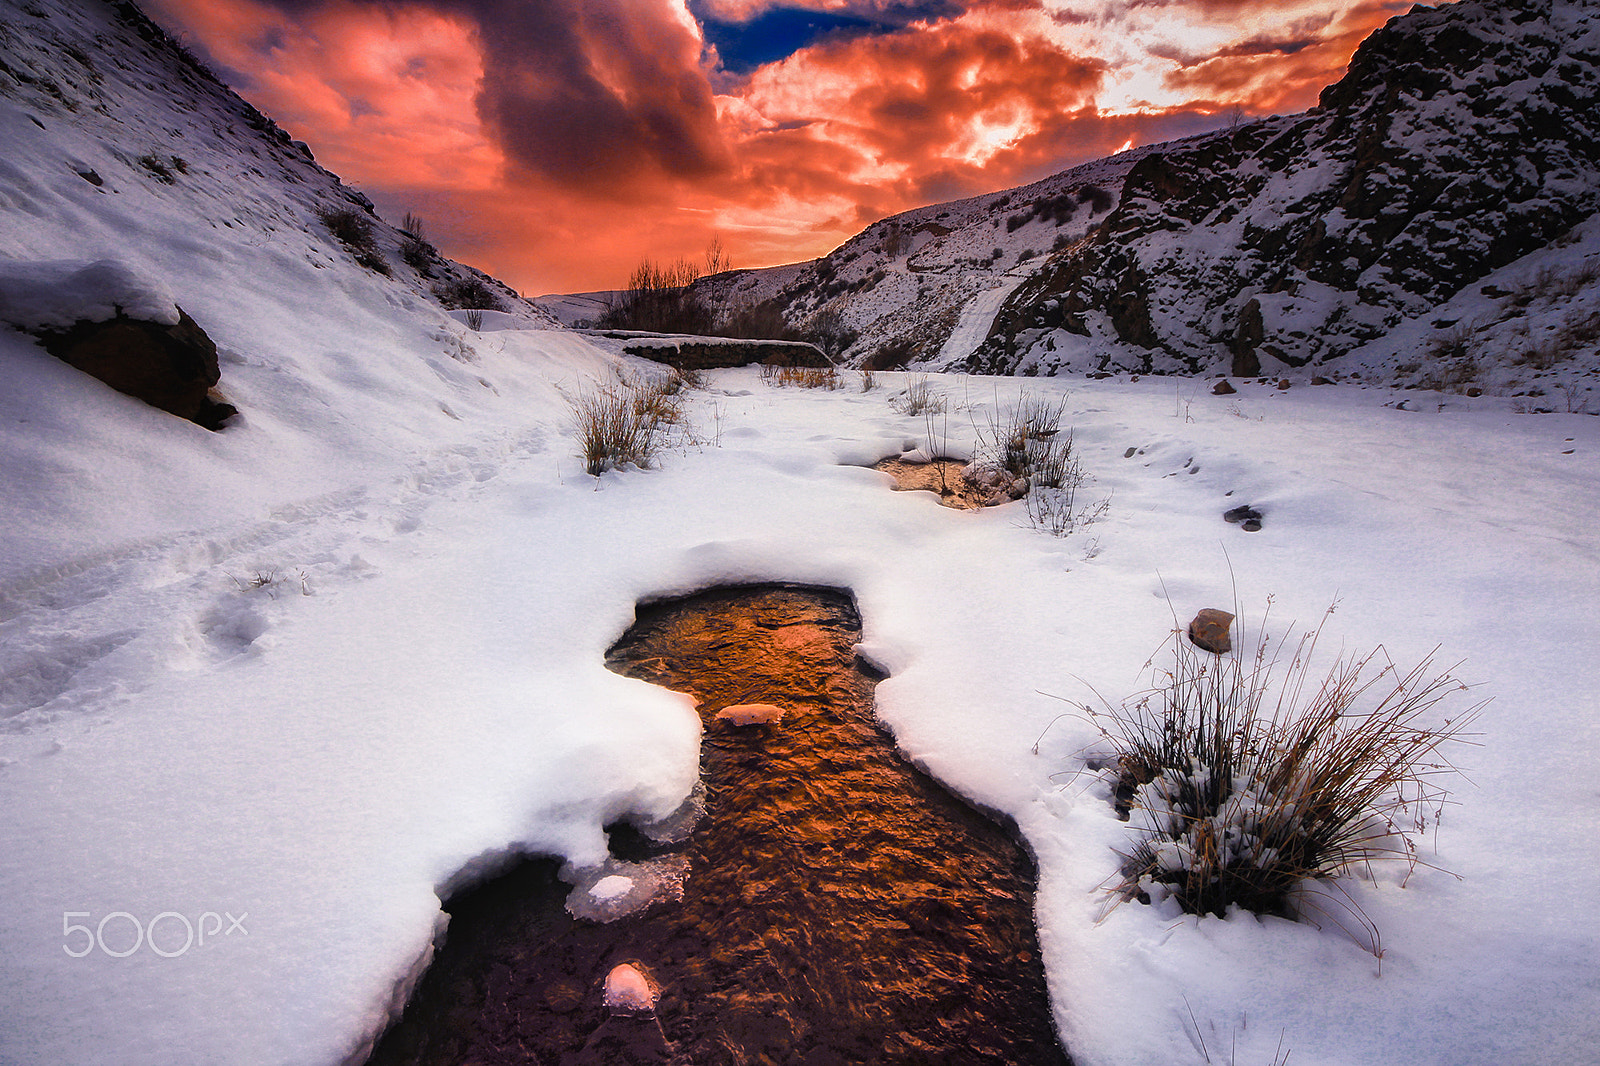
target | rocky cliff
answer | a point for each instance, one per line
(1462, 139)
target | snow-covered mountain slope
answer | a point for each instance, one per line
(115, 146)
(1424, 224)
(896, 292)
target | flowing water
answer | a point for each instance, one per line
(839, 906)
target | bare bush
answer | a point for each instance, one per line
(828, 331)
(419, 254)
(761, 321)
(660, 298)
(164, 168)
(467, 292)
(1552, 282)
(353, 229)
(896, 240)
(1452, 362)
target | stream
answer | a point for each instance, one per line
(838, 906)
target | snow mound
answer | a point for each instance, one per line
(56, 293)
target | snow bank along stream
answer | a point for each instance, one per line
(830, 903)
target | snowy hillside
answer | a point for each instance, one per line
(902, 286)
(1440, 192)
(1428, 224)
(269, 694)
(118, 148)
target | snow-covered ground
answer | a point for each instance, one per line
(314, 710)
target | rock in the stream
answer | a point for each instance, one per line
(628, 991)
(631, 1035)
(741, 714)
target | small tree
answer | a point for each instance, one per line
(828, 331)
(415, 248)
(660, 298)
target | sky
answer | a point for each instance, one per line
(558, 143)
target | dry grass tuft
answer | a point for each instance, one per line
(802, 377)
(919, 399)
(625, 423)
(1244, 786)
(1027, 444)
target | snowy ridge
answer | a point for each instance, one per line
(1461, 143)
(901, 285)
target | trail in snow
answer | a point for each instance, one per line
(977, 317)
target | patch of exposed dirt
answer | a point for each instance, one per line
(840, 907)
(943, 477)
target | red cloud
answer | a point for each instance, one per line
(1264, 75)
(556, 143)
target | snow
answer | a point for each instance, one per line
(419, 691)
(56, 294)
(288, 685)
(972, 329)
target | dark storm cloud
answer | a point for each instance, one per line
(596, 95)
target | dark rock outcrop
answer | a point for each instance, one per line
(172, 367)
(1462, 138)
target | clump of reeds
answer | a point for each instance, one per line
(1242, 785)
(625, 423)
(918, 399)
(1027, 444)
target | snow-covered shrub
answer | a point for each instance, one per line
(1241, 785)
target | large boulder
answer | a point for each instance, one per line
(118, 324)
(172, 367)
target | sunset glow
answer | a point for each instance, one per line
(557, 143)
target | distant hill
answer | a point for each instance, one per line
(1430, 222)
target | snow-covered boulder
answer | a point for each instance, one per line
(107, 320)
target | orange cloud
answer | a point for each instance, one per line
(1284, 72)
(556, 143)
(384, 95)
